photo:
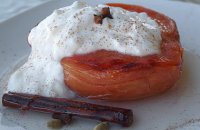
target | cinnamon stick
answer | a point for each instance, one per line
(61, 108)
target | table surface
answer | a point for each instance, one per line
(9, 8)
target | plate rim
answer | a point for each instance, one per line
(24, 13)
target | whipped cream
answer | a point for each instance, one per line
(71, 30)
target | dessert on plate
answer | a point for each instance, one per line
(111, 52)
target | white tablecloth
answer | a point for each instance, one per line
(9, 8)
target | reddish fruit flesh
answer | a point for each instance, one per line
(111, 75)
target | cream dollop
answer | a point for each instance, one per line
(71, 30)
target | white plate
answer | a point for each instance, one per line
(176, 109)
